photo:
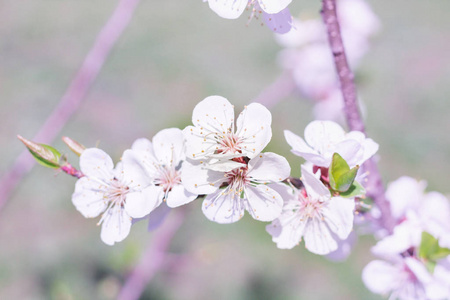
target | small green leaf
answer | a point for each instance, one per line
(430, 265)
(341, 176)
(355, 190)
(44, 154)
(429, 248)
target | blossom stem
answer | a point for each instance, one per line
(153, 259)
(375, 188)
(72, 171)
(73, 96)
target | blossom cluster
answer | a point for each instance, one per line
(306, 55)
(415, 261)
(220, 157)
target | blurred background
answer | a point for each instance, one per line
(172, 55)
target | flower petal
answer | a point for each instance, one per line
(199, 180)
(200, 144)
(300, 148)
(254, 127)
(338, 215)
(264, 204)
(214, 114)
(96, 163)
(228, 9)
(314, 187)
(321, 134)
(168, 145)
(380, 277)
(179, 196)
(135, 173)
(288, 235)
(116, 226)
(142, 144)
(273, 6)
(280, 22)
(88, 197)
(223, 207)
(318, 238)
(268, 167)
(141, 203)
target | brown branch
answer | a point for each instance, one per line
(153, 259)
(73, 96)
(375, 187)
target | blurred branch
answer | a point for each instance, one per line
(281, 88)
(153, 258)
(375, 187)
(73, 96)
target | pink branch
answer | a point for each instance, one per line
(283, 87)
(74, 95)
(153, 258)
(375, 187)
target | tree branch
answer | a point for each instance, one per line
(375, 188)
(153, 258)
(74, 95)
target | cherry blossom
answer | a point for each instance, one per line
(324, 138)
(162, 162)
(115, 192)
(314, 215)
(275, 12)
(245, 189)
(215, 136)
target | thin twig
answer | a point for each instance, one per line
(153, 258)
(375, 187)
(281, 88)
(73, 96)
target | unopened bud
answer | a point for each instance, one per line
(76, 147)
(44, 154)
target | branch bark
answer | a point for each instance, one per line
(73, 96)
(153, 258)
(374, 187)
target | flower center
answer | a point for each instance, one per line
(310, 208)
(237, 180)
(229, 143)
(116, 192)
(168, 177)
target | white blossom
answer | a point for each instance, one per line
(215, 136)
(314, 215)
(233, 9)
(324, 138)
(162, 161)
(245, 189)
(118, 193)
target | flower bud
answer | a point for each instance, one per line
(44, 154)
(76, 147)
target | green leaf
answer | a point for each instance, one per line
(430, 265)
(341, 176)
(44, 154)
(355, 190)
(429, 248)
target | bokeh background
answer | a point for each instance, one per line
(172, 55)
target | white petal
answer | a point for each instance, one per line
(134, 169)
(314, 187)
(222, 207)
(380, 277)
(228, 9)
(318, 238)
(88, 197)
(285, 191)
(116, 226)
(214, 114)
(348, 150)
(168, 145)
(338, 215)
(403, 194)
(269, 167)
(321, 135)
(264, 204)
(344, 248)
(286, 236)
(273, 6)
(405, 235)
(299, 147)
(199, 143)
(199, 180)
(254, 127)
(96, 163)
(141, 203)
(223, 165)
(142, 144)
(179, 196)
